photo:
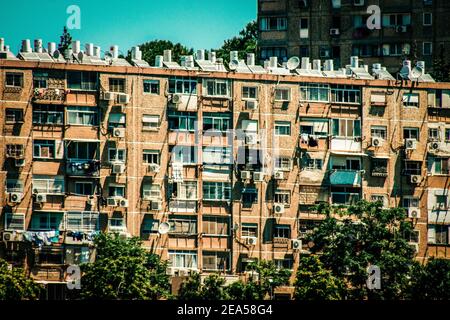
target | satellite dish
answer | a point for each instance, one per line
(164, 228)
(405, 72)
(233, 65)
(56, 54)
(293, 63)
(417, 72)
(80, 56)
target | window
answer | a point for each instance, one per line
(150, 156)
(314, 127)
(14, 150)
(215, 226)
(183, 259)
(48, 115)
(44, 149)
(217, 88)
(346, 128)
(216, 122)
(441, 201)
(304, 30)
(183, 225)
(15, 221)
(149, 225)
(249, 93)
(150, 122)
(314, 92)
(341, 163)
(447, 135)
(379, 198)
(345, 196)
(184, 190)
(441, 165)
(412, 168)
(14, 185)
(411, 133)
(304, 51)
(427, 18)
(273, 24)
(282, 128)
(396, 49)
(379, 167)
(283, 163)
(282, 231)
(411, 100)
(84, 188)
(345, 94)
(82, 150)
(82, 221)
(313, 164)
(216, 261)
(151, 191)
(151, 86)
(410, 202)
(217, 155)
(117, 85)
(84, 116)
(182, 121)
(249, 230)
(249, 195)
(433, 134)
(183, 154)
(378, 132)
(117, 155)
(216, 191)
(438, 234)
(45, 221)
(184, 85)
(116, 190)
(14, 79)
(284, 263)
(116, 224)
(279, 52)
(117, 120)
(13, 115)
(427, 48)
(282, 196)
(282, 94)
(397, 19)
(40, 79)
(48, 184)
(81, 80)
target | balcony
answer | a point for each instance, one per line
(346, 178)
(49, 96)
(379, 172)
(183, 205)
(83, 168)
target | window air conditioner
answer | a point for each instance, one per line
(119, 132)
(296, 244)
(41, 197)
(278, 208)
(278, 175)
(245, 175)
(410, 144)
(15, 197)
(118, 168)
(377, 142)
(414, 213)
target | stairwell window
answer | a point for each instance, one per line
(117, 85)
(48, 115)
(151, 86)
(14, 80)
(13, 116)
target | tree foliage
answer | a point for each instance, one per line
(432, 281)
(154, 48)
(15, 285)
(441, 66)
(245, 42)
(65, 41)
(123, 270)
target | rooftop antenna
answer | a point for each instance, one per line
(293, 63)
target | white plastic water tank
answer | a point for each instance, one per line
(114, 51)
(273, 62)
(250, 59)
(26, 45)
(354, 61)
(159, 61)
(136, 53)
(234, 55)
(167, 56)
(212, 57)
(38, 45)
(201, 54)
(189, 62)
(317, 64)
(97, 51)
(421, 64)
(51, 48)
(329, 65)
(2, 44)
(89, 49)
(76, 46)
(305, 63)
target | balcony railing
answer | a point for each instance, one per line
(83, 168)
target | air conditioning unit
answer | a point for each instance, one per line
(123, 98)
(296, 244)
(358, 2)
(334, 32)
(123, 203)
(15, 197)
(251, 241)
(176, 99)
(415, 178)
(278, 175)
(41, 197)
(251, 139)
(112, 202)
(156, 206)
(153, 167)
(410, 144)
(246, 175)
(119, 132)
(11, 236)
(401, 28)
(377, 142)
(434, 146)
(118, 168)
(258, 176)
(251, 104)
(19, 162)
(278, 208)
(414, 213)
(108, 96)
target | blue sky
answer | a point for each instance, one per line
(195, 23)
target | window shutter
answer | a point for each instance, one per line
(59, 149)
(431, 234)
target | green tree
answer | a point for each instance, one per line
(15, 285)
(239, 290)
(314, 282)
(366, 234)
(65, 42)
(441, 66)
(212, 288)
(269, 277)
(123, 270)
(154, 48)
(431, 281)
(245, 42)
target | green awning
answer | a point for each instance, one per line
(345, 178)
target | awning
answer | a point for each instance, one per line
(345, 178)
(348, 153)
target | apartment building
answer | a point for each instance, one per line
(338, 29)
(211, 168)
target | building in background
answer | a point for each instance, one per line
(337, 29)
(211, 168)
